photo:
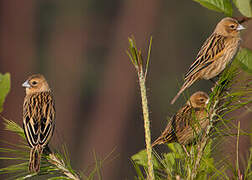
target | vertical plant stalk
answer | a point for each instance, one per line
(239, 175)
(146, 123)
(137, 60)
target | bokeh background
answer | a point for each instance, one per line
(80, 48)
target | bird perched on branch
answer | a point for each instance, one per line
(190, 120)
(217, 51)
(38, 117)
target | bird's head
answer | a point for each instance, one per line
(36, 83)
(229, 27)
(198, 100)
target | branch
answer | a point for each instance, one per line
(135, 56)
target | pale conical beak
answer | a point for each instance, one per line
(240, 27)
(207, 101)
(26, 84)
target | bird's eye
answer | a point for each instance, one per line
(201, 99)
(34, 82)
(232, 26)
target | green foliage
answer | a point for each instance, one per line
(223, 6)
(53, 165)
(244, 7)
(200, 163)
(141, 159)
(135, 56)
(248, 171)
(207, 165)
(223, 100)
(175, 162)
(245, 58)
(14, 127)
(97, 169)
(4, 88)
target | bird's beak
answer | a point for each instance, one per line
(26, 84)
(240, 27)
(207, 101)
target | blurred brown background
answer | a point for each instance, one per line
(80, 48)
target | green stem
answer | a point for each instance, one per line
(59, 163)
(146, 123)
(237, 151)
(204, 142)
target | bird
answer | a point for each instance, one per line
(188, 122)
(38, 117)
(218, 50)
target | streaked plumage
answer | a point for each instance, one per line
(187, 122)
(38, 117)
(217, 51)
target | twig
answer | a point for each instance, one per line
(146, 123)
(54, 161)
(59, 163)
(204, 140)
(148, 60)
(239, 175)
(137, 60)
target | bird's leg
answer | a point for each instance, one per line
(185, 150)
(47, 150)
(215, 83)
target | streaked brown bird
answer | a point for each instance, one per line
(189, 121)
(217, 51)
(38, 117)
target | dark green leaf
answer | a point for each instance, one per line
(244, 7)
(245, 58)
(4, 88)
(223, 6)
(141, 159)
(133, 51)
(138, 171)
(176, 148)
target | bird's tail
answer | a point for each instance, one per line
(166, 137)
(159, 140)
(186, 84)
(35, 157)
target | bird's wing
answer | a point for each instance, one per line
(212, 49)
(183, 118)
(47, 120)
(168, 135)
(38, 118)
